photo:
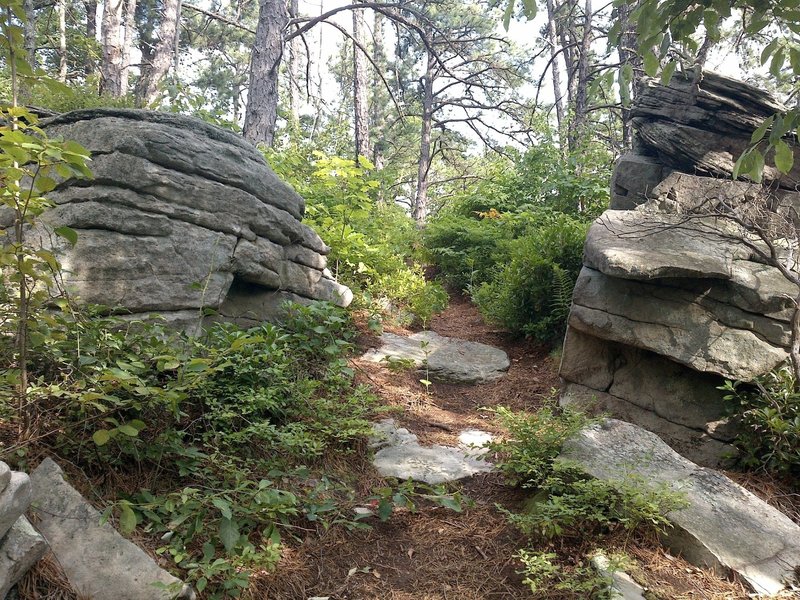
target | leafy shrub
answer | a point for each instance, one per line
(565, 500)
(532, 290)
(548, 580)
(224, 424)
(769, 409)
(370, 240)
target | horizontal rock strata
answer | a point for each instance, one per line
(180, 215)
(671, 300)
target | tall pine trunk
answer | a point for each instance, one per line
(162, 56)
(554, 64)
(91, 33)
(261, 113)
(419, 210)
(112, 34)
(360, 96)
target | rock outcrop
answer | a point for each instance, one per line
(671, 301)
(98, 562)
(723, 526)
(20, 544)
(181, 216)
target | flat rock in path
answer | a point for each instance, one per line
(400, 455)
(98, 562)
(19, 550)
(448, 359)
(724, 526)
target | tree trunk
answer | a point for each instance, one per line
(111, 71)
(29, 32)
(420, 207)
(294, 71)
(581, 108)
(262, 100)
(554, 64)
(377, 114)
(629, 54)
(129, 32)
(360, 102)
(62, 40)
(91, 33)
(162, 56)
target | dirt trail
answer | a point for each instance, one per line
(435, 553)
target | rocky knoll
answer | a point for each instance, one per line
(670, 302)
(181, 216)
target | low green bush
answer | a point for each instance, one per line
(769, 410)
(565, 501)
(531, 290)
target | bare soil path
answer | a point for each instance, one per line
(437, 554)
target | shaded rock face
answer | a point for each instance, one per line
(181, 215)
(670, 303)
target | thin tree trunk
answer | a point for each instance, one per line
(628, 54)
(129, 32)
(294, 70)
(62, 40)
(111, 32)
(420, 207)
(262, 100)
(582, 88)
(376, 121)
(29, 32)
(162, 56)
(91, 33)
(360, 102)
(554, 64)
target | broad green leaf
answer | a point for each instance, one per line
(528, 9)
(651, 63)
(667, 72)
(101, 437)
(128, 430)
(224, 507)
(67, 233)
(228, 533)
(127, 518)
(509, 12)
(784, 157)
(758, 134)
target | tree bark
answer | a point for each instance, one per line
(29, 32)
(629, 55)
(111, 71)
(294, 70)
(162, 56)
(581, 108)
(360, 97)
(91, 33)
(129, 33)
(62, 40)
(262, 100)
(420, 207)
(377, 111)
(554, 64)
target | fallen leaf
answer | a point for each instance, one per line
(410, 552)
(352, 571)
(376, 574)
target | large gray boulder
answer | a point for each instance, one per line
(180, 214)
(723, 526)
(98, 562)
(674, 297)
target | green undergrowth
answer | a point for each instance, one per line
(564, 502)
(769, 411)
(373, 241)
(216, 447)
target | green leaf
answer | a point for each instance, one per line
(67, 233)
(784, 157)
(651, 63)
(228, 533)
(509, 12)
(667, 72)
(528, 9)
(101, 437)
(127, 518)
(128, 430)
(759, 133)
(224, 507)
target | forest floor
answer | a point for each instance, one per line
(437, 554)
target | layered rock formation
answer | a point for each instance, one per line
(671, 301)
(181, 216)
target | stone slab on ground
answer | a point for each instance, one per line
(14, 500)
(448, 359)
(724, 526)
(623, 587)
(400, 455)
(98, 562)
(19, 550)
